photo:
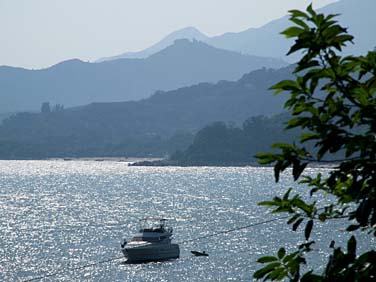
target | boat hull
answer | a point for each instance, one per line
(151, 252)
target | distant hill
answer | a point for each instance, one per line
(190, 33)
(267, 41)
(4, 116)
(222, 144)
(357, 15)
(155, 126)
(74, 82)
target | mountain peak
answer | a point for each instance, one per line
(190, 33)
(189, 29)
(71, 63)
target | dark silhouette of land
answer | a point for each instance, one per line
(156, 126)
(221, 144)
(74, 82)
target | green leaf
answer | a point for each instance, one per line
(294, 48)
(300, 23)
(308, 229)
(353, 227)
(281, 253)
(308, 136)
(311, 11)
(292, 32)
(266, 203)
(296, 224)
(332, 243)
(285, 85)
(297, 169)
(303, 206)
(265, 270)
(267, 259)
(351, 246)
(289, 257)
(342, 39)
(293, 219)
(297, 13)
(277, 171)
(265, 158)
(287, 194)
(282, 146)
(279, 272)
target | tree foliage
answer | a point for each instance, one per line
(226, 144)
(333, 102)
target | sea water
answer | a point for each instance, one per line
(65, 219)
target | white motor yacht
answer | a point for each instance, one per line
(151, 243)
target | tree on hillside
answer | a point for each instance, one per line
(333, 102)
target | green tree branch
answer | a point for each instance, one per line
(332, 100)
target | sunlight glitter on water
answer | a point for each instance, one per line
(58, 215)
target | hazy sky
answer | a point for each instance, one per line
(40, 33)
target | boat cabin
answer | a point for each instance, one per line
(157, 225)
(153, 230)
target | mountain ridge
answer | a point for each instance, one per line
(75, 82)
(266, 40)
(184, 33)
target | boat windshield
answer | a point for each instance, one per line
(153, 225)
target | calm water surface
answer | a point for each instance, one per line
(57, 215)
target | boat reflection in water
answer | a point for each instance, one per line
(151, 243)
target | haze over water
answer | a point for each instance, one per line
(58, 215)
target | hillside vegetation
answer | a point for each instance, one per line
(155, 126)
